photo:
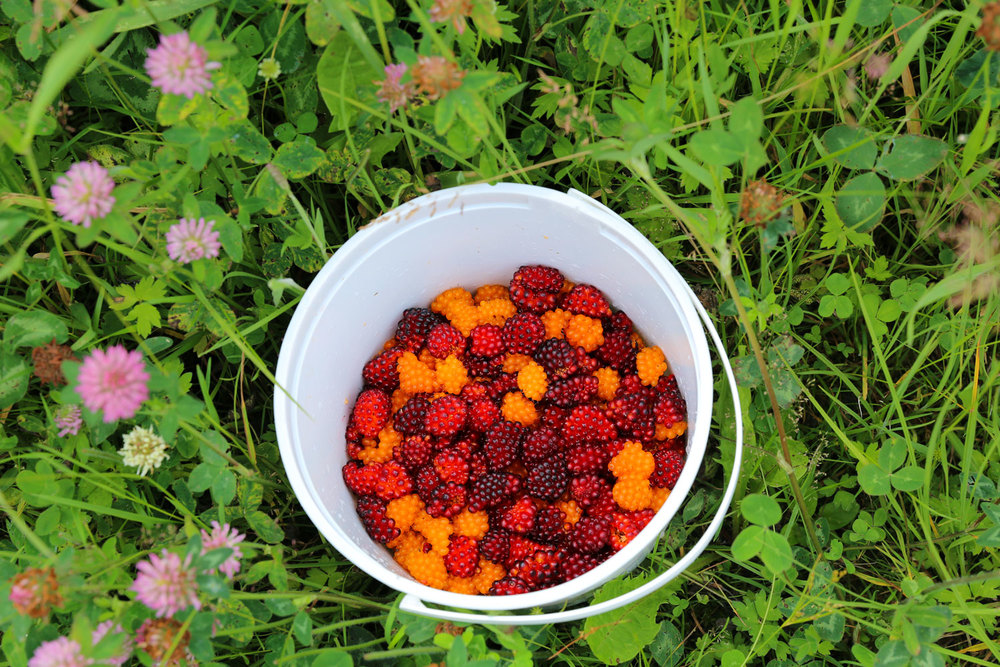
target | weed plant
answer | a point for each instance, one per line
(824, 174)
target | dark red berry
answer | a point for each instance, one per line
(483, 413)
(427, 482)
(522, 333)
(618, 351)
(445, 416)
(495, 546)
(538, 277)
(550, 525)
(539, 570)
(509, 586)
(626, 525)
(361, 479)
(557, 357)
(572, 391)
(531, 300)
(501, 444)
(493, 488)
(482, 367)
(393, 481)
(587, 458)
(416, 323)
(586, 422)
(547, 480)
(575, 564)
(669, 464)
(486, 340)
(447, 500)
(520, 518)
(381, 371)
(670, 406)
(379, 527)
(443, 340)
(587, 489)
(540, 444)
(590, 534)
(414, 452)
(503, 383)
(619, 321)
(409, 419)
(451, 466)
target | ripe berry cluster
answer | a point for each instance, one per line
(513, 439)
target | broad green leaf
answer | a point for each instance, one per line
(247, 143)
(345, 75)
(248, 40)
(746, 120)
(906, 19)
(333, 657)
(748, 543)
(299, 158)
(11, 222)
(893, 654)
(620, 635)
(852, 147)
(873, 480)
(873, 12)
(231, 94)
(302, 627)
(668, 647)
(889, 311)
(892, 453)
(321, 23)
(830, 627)
(202, 477)
(34, 328)
(716, 147)
(861, 202)
(224, 487)
(776, 552)
(837, 283)
(911, 157)
(231, 237)
(172, 109)
(14, 374)
(760, 509)
(937, 616)
(265, 527)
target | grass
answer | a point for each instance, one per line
(855, 290)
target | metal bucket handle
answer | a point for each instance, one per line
(412, 604)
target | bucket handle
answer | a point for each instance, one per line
(414, 605)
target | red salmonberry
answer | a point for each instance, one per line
(554, 416)
(670, 406)
(557, 357)
(586, 300)
(486, 340)
(550, 525)
(371, 412)
(483, 413)
(547, 480)
(669, 464)
(409, 419)
(626, 525)
(587, 489)
(379, 527)
(586, 422)
(451, 466)
(522, 333)
(618, 351)
(445, 339)
(572, 391)
(414, 452)
(503, 383)
(427, 482)
(520, 518)
(619, 321)
(447, 500)
(575, 564)
(445, 416)
(462, 557)
(539, 570)
(482, 367)
(540, 444)
(393, 481)
(416, 323)
(492, 489)
(361, 479)
(509, 586)
(633, 414)
(538, 277)
(495, 546)
(587, 458)
(590, 534)
(501, 444)
(381, 371)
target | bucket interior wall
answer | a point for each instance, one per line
(405, 260)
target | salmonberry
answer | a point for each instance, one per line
(650, 364)
(413, 452)
(520, 518)
(482, 367)
(669, 407)
(447, 500)
(416, 323)
(409, 419)
(379, 527)
(618, 352)
(576, 563)
(540, 444)
(669, 464)
(587, 489)
(462, 557)
(626, 525)
(501, 444)
(633, 493)
(451, 466)
(393, 481)
(547, 480)
(445, 416)
(586, 300)
(586, 458)
(550, 525)
(361, 479)
(539, 570)
(557, 357)
(371, 412)
(585, 332)
(427, 482)
(486, 340)
(633, 414)
(509, 586)
(532, 382)
(632, 461)
(492, 489)
(381, 371)
(444, 340)
(523, 333)
(572, 391)
(544, 278)
(586, 422)
(495, 546)
(590, 534)
(483, 413)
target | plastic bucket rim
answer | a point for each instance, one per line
(289, 366)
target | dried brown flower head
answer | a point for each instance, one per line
(48, 362)
(434, 76)
(759, 202)
(35, 592)
(455, 11)
(156, 635)
(989, 29)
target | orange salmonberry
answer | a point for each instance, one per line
(676, 430)
(427, 359)
(399, 399)
(607, 383)
(449, 298)
(404, 510)
(633, 493)
(496, 311)
(471, 524)
(464, 317)
(437, 531)
(513, 363)
(428, 568)
(463, 585)
(488, 572)
(555, 322)
(532, 381)
(491, 292)
(650, 364)
(451, 374)
(632, 462)
(518, 408)
(377, 454)
(415, 377)
(570, 509)
(585, 332)
(659, 497)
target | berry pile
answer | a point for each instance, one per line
(513, 439)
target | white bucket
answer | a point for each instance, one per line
(470, 236)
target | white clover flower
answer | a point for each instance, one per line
(143, 449)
